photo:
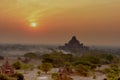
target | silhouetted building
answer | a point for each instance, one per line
(74, 46)
(7, 69)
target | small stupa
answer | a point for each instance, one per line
(7, 69)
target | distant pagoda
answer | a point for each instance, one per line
(74, 46)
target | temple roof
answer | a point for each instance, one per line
(74, 45)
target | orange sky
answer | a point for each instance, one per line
(94, 22)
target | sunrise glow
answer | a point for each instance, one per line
(33, 24)
(37, 21)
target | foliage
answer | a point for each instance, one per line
(12, 78)
(31, 66)
(17, 65)
(69, 67)
(31, 55)
(95, 58)
(105, 71)
(57, 59)
(55, 76)
(94, 76)
(26, 67)
(113, 72)
(19, 76)
(45, 67)
(84, 63)
(2, 77)
(83, 70)
(38, 73)
(90, 58)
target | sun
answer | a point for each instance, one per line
(33, 24)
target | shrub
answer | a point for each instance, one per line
(2, 77)
(45, 67)
(17, 65)
(19, 76)
(31, 55)
(55, 76)
(82, 69)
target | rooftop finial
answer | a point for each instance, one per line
(74, 37)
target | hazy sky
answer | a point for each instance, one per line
(94, 22)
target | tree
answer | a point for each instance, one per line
(45, 67)
(113, 72)
(25, 67)
(69, 67)
(19, 76)
(55, 76)
(38, 73)
(17, 65)
(82, 69)
(2, 77)
(110, 57)
(57, 58)
(31, 55)
(31, 66)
